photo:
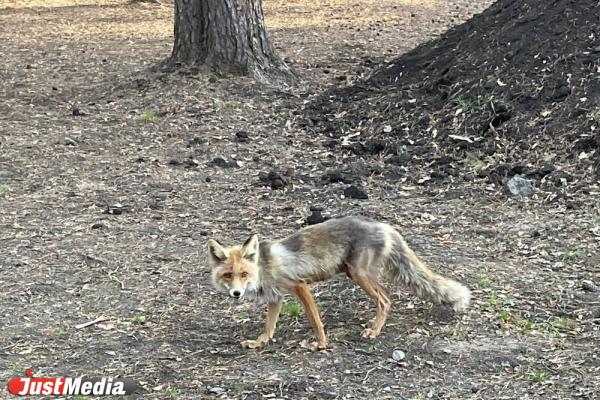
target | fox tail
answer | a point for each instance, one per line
(404, 267)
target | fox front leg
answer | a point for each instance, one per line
(273, 310)
(302, 291)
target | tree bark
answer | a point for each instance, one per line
(226, 36)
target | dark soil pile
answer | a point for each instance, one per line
(515, 90)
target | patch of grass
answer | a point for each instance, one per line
(173, 392)
(476, 105)
(549, 329)
(16, 367)
(483, 280)
(459, 330)
(560, 322)
(574, 254)
(80, 397)
(473, 163)
(492, 301)
(368, 350)
(292, 309)
(58, 330)
(147, 117)
(139, 319)
(553, 328)
(372, 114)
(435, 39)
(4, 190)
(510, 318)
(596, 219)
(505, 316)
(538, 376)
(525, 324)
(238, 389)
(445, 230)
(224, 105)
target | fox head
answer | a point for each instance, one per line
(234, 269)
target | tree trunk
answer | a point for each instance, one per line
(227, 37)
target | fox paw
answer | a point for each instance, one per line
(313, 346)
(370, 333)
(316, 346)
(254, 344)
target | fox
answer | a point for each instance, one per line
(367, 251)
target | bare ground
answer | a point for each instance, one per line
(107, 213)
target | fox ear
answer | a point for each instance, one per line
(250, 248)
(216, 252)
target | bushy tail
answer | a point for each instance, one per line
(403, 266)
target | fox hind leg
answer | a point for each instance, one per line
(382, 301)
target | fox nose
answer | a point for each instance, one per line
(236, 293)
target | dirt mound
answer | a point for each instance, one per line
(515, 90)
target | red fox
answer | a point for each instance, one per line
(363, 249)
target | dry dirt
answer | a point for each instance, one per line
(109, 188)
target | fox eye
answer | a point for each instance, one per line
(244, 274)
(227, 275)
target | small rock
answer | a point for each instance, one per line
(315, 218)
(174, 161)
(98, 225)
(190, 162)
(220, 162)
(242, 136)
(400, 159)
(277, 184)
(519, 186)
(155, 204)
(116, 209)
(77, 112)
(208, 179)
(70, 142)
(273, 179)
(589, 286)
(337, 176)
(561, 93)
(546, 169)
(196, 141)
(263, 177)
(216, 390)
(272, 176)
(354, 192)
(398, 355)
(376, 146)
